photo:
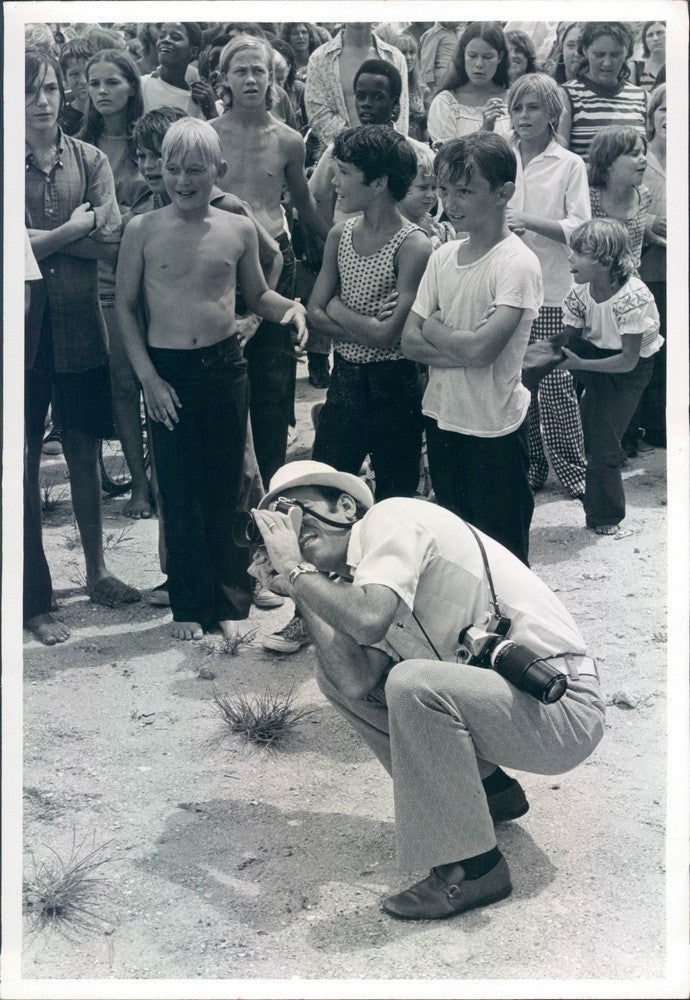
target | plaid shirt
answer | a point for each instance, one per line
(80, 173)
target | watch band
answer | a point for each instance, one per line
(302, 567)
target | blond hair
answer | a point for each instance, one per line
(192, 136)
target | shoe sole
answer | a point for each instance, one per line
(278, 648)
(269, 603)
(494, 897)
(509, 804)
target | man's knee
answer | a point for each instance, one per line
(409, 678)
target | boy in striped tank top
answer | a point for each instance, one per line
(371, 268)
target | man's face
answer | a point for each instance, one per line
(173, 45)
(247, 78)
(469, 201)
(352, 191)
(150, 165)
(373, 100)
(189, 181)
(322, 544)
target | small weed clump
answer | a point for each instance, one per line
(266, 720)
(49, 499)
(113, 539)
(228, 646)
(65, 895)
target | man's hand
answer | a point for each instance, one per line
(83, 218)
(297, 315)
(161, 401)
(515, 222)
(487, 316)
(204, 96)
(387, 307)
(491, 112)
(246, 327)
(280, 534)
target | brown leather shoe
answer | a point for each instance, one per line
(510, 803)
(435, 899)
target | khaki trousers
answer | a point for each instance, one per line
(439, 728)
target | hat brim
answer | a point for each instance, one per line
(343, 481)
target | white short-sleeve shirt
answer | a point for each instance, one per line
(431, 560)
(631, 310)
(490, 401)
(156, 93)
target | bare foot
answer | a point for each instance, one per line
(139, 504)
(606, 529)
(47, 629)
(187, 630)
(230, 629)
(111, 592)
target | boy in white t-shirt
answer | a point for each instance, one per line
(470, 323)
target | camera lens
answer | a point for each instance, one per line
(523, 668)
(244, 530)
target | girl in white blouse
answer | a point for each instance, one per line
(472, 97)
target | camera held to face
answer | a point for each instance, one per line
(245, 531)
(485, 645)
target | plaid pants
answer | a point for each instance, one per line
(554, 419)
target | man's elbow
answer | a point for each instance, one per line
(370, 629)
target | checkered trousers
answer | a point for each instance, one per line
(554, 419)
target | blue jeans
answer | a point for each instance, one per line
(373, 409)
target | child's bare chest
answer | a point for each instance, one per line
(256, 158)
(181, 257)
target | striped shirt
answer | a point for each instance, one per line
(593, 107)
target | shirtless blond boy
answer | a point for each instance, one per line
(264, 157)
(185, 259)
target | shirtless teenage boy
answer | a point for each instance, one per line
(264, 156)
(186, 259)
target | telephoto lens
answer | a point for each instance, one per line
(528, 672)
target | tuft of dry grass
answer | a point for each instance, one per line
(267, 719)
(50, 500)
(113, 539)
(228, 647)
(66, 895)
(72, 538)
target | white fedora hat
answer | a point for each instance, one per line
(307, 473)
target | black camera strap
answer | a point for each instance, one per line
(490, 580)
(487, 569)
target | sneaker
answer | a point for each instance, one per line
(52, 443)
(319, 372)
(160, 596)
(289, 639)
(265, 598)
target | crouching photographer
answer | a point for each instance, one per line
(449, 657)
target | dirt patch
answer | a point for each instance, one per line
(232, 863)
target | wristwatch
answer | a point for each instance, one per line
(301, 567)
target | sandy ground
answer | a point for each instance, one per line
(226, 862)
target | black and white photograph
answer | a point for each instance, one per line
(345, 535)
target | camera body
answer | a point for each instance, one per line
(245, 531)
(485, 645)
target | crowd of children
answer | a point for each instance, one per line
(164, 190)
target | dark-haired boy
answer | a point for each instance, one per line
(377, 90)
(178, 44)
(373, 402)
(475, 404)
(74, 59)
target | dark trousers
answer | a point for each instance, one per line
(38, 588)
(650, 414)
(607, 404)
(484, 481)
(373, 409)
(199, 469)
(272, 376)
